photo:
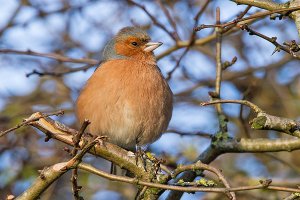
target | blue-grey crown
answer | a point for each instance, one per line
(110, 53)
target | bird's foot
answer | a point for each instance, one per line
(140, 153)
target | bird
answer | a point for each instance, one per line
(127, 98)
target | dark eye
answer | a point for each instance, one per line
(134, 43)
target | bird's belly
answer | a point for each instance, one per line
(129, 106)
(128, 125)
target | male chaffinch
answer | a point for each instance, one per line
(127, 98)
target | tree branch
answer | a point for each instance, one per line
(106, 150)
(51, 174)
(264, 121)
(262, 185)
(55, 56)
(272, 40)
(28, 121)
(154, 20)
(264, 4)
(201, 166)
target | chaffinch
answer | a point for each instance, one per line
(127, 98)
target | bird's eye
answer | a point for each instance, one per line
(134, 43)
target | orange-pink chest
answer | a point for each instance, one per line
(127, 100)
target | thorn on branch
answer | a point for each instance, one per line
(277, 49)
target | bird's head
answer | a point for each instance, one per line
(130, 42)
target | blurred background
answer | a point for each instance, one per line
(81, 28)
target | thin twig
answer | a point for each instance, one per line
(169, 17)
(234, 75)
(254, 16)
(55, 56)
(191, 40)
(201, 11)
(11, 19)
(111, 152)
(58, 74)
(50, 174)
(200, 41)
(240, 16)
(154, 20)
(76, 139)
(29, 120)
(262, 185)
(264, 4)
(182, 133)
(251, 105)
(201, 166)
(271, 40)
(218, 60)
(169, 75)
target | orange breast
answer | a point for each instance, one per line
(128, 101)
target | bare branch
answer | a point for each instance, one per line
(28, 121)
(264, 121)
(265, 4)
(257, 15)
(182, 133)
(76, 139)
(58, 74)
(105, 150)
(262, 185)
(51, 174)
(154, 20)
(55, 56)
(271, 40)
(201, 166)
(169, 17)
(254, 107)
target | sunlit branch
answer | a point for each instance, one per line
(51, 174)
(264, 121)
(28, 121)
(262, 185)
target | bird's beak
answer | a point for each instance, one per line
(150, 46)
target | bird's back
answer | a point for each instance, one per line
(128, 101)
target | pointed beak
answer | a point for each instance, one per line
(150, 46)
